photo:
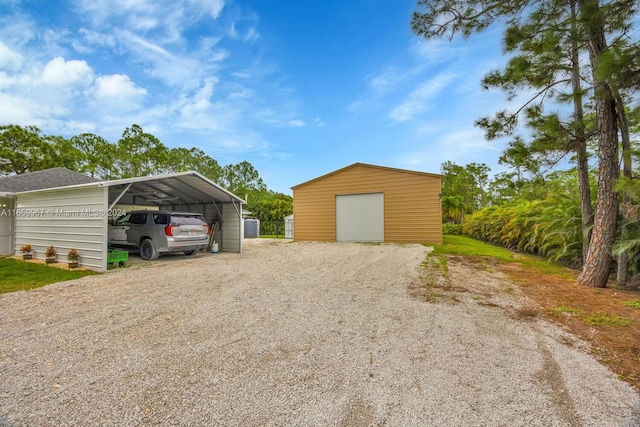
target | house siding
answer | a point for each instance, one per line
(66, 219)
(412, 209)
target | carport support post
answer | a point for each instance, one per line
(105, 223)
(119, 196)
(105, 228)
(213, 201)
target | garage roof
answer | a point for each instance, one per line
(365, 166)
(172, 189)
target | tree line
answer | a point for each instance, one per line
(579, 60)
(137, 153)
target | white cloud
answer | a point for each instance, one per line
(150, 35)
(9, 60)
(251, 35)
(318, 122)
(199, 111)
(168, 16)
(59, 72)
(202, 99)
(174, 69)
(383, 82)
(117, 86)
(238, 31)
(21, 110)
(355, 106)
(116, 45)
(387, 82)
(391, 78)
(467, 143)
(454, 142)
(241, 93)
(42, 93)
(17, 30)
(89, 41)
(437, 51)
(418, 100)
(213, 7)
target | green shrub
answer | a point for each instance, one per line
(550, 227)
(455, 229)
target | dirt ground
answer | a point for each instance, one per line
(298, 334)
(609, 318)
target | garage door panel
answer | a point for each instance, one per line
(360, 218)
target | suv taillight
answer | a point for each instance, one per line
(206, 229)
(168, 230)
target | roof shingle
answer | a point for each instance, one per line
(40, 180)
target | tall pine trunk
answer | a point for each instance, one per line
(580, 141)
(595, 271)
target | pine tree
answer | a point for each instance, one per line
(538, 30)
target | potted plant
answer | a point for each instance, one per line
(50, 255)
(27, 251)
(73, 256)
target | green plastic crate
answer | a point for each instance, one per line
(117, 256)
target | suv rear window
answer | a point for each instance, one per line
(161, 219)
(187, 220)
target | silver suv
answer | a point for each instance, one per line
(157, 232)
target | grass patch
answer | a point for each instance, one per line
(545, 267)
(466, 246)
(432, 285)
(601, 319)
(443, 265)
(17, 275)
(272, 236)
(565, 310)
(635, 303)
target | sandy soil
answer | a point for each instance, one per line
(296, 334)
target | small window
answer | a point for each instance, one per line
(125, 219)
(139, 218)
(161, 219)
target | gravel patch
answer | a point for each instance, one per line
(286, 334)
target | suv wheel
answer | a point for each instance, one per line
(191, 253)
(147, 250)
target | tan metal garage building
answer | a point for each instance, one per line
(368, 203)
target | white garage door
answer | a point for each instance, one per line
(360, 218)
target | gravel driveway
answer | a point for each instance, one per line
(307, 334)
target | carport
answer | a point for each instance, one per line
(77, 216)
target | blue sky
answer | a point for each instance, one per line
(298, 88)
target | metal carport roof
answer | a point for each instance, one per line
(183, 188)
(159, 189)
